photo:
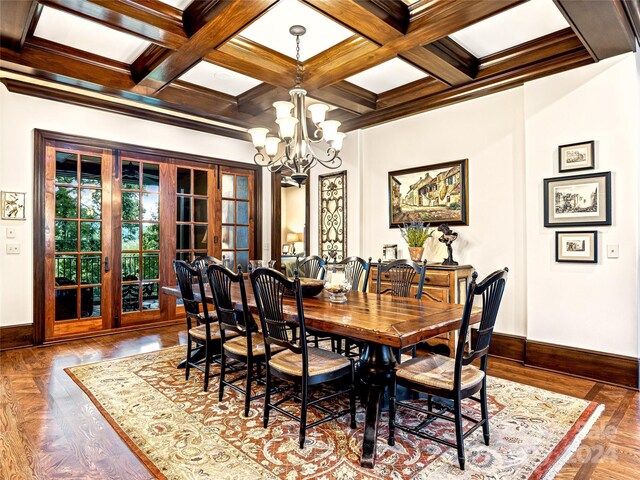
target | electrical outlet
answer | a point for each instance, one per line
(11, 232)
(613, 251)
(13, 249)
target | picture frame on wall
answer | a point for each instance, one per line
(433, 193)
(13, 206)
(577, 246)
(577, 200)
(576, 156)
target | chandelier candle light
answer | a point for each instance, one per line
(293, 148)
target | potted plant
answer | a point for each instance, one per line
(415, 234)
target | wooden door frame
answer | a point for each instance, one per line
(276, 212)
(41, 137)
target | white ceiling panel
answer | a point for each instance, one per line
(76, 32)
(272, 30)
(513, 27)
(179, 4)
(220, 79)
(386, 76)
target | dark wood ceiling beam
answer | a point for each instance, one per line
(445, 60)
(512, 77)
(543, 48)
(379, 21)
(52, 61)
(142, 21)
(41, 91)
(15, 20)
(436, 20)
(260, 98)
(347, 96)
(633, 11)
(418, 89)
(226, 20)
(254, 60)
(603, 27)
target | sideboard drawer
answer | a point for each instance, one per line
(438, 279)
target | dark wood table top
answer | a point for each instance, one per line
(384, 319)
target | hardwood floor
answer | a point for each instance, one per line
(50, 429)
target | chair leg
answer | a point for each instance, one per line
(267, 397)
(247, 391)
(223, 368)
(430, 403)
(187, 367)
(303, 414)
(459, 440)
(414, 351)
(485, 412)
(207, 366)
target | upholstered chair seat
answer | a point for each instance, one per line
(438, 371)
(320, 362)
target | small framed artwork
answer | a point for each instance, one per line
(578, 200)
(13, 206)
(576, 156)
(577, 247)
(286, 248)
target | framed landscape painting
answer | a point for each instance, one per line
(579, 200)
(433, 193)
(577, 247)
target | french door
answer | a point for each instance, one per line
(114, 222)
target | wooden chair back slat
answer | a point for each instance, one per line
(401, 275)
(312, 266)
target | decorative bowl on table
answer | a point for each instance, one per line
(311, 287)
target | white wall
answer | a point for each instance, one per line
(511, 140)
(20, 115)
(593, 306)
(488, 132)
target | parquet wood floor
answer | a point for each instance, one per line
(50, 430)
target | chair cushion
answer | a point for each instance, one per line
(320, 362)
(238, 345)
(437, 371)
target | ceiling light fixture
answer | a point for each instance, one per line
(293, 149)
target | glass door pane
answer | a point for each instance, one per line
(237, 226)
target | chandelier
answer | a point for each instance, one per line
(294, 149)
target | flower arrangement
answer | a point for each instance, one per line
(415, 233)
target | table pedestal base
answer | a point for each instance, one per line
(376, 363)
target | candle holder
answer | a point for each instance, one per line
(337, 284)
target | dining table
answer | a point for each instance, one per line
(384, 323)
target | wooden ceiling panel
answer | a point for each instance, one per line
(211, 30)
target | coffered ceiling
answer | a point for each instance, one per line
(222, 63)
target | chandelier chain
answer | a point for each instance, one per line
(298, 69)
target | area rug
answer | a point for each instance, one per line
(182, 433)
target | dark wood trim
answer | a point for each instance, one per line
(603, 367)
(16, 336)
(41, 91)
(633, 12)
(16, 19)
(578, 362)
(509, 347)
(41, 137)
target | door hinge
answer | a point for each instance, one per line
(215, 239)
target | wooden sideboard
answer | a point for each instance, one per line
(442, 283)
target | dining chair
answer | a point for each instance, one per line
(400, 275)
(240, 339)
(356, 271)
(202, 326)
(300, 364)
(203, 262)
(312, 266)
(456, 378)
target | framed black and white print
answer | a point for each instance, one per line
(577, 247)
(578, 200)
(576, 156)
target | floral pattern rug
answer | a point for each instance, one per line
(182, 433)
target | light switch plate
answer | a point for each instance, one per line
(11, 232)
(613, 251)
(13, 249)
